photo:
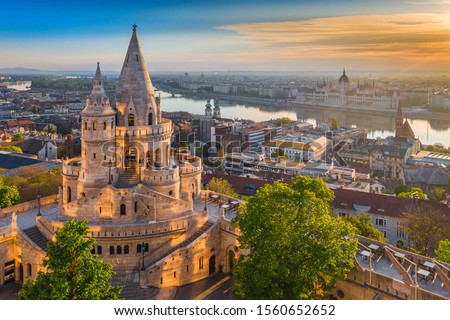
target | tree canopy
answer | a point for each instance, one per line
(413, 192)
(11, 148)
(18, 137)
(443, 251)
(363, 224)
(298, 250)
(285, 120)
(9, 195)
(73, 272)
(426, 226)
(334, 124)
(221, 186)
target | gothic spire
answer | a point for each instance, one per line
(98, 102)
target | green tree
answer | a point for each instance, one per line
(278, 153)
(11, 148)
(399, 188)
(298, 250)
(416, 193)
(18, 137)
(9, 195)
(426, 226)
(73, 272)
(285, 120)
(334, 124)
(437, 194)
(364, 226)
(221, 186)
(443, 251)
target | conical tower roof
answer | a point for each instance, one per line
(134, 81)
(407, 131)
(98, 103)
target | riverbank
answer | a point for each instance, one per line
(409, 112)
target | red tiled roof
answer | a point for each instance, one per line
(380, 204)
(17, 123)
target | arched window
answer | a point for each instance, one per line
(139, 248)
(126, 249)
(94, 125)
(112, 123)
(136, 206)
(85, 125)
(111, 250)
(93, 250)
(119, 249)
(123, 209)
(200, 263)
(150, 119)
(131, 120)
(29, 270)
(146, 247)
(69, 194)
(104, 125)
(99, 250)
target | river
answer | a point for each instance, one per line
(428, 131)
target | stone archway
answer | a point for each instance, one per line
(131, 158)
(231, 260)
(212, 264)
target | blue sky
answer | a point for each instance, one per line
(208, 35)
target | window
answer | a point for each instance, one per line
(187, 268)
(99, 250)
(342, 214)
(139, 248)
(123, 209)
(131, 120)
(112, 124)
(29, 269)
(126, 249)
(119, 249)
(380, 222)
(135, 206)
(111, 250)
(150, 119)
(200, 263)
(85, 125)
(94, 125)
(384, 234)
(94, 155)
(104, 125)
(146, 247)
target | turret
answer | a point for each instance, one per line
(216, 109)
(97, 129)
(208, 110)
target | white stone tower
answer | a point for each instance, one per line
(216, 109)
(98, 128)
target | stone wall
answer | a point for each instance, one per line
(24, 206)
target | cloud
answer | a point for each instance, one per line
(382, 41)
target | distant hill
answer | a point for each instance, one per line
(31, 71)
(20, 70)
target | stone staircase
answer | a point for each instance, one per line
(37, 237)
(131, 289)
(186, 242)
(127, 179)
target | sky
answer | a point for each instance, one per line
(244, 35)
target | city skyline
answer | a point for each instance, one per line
(405, 36)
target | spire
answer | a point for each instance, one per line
(98, 102)
(343, 72)
(134, 81)
(399, 122)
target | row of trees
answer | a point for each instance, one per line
(30, 182)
